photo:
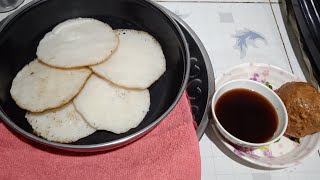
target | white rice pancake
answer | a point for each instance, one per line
(106, 106)
(137, 63)
(38, 87)
(64, 124)
(77, 42)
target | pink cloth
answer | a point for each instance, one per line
(170, 151)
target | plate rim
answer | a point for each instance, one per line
(252, 160)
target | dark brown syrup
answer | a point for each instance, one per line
(247, 115)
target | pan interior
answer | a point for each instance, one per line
(21, 35)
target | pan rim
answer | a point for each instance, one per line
(115, 143)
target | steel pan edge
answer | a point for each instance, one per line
(112, 144)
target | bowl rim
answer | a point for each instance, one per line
(115, 143)
(235, 139)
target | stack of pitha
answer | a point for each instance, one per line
(88, 77)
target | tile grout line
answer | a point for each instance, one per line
(222, 2)
(285, 49)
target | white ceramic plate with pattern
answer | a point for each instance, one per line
(285, 152)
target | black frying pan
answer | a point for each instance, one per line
(21, 33)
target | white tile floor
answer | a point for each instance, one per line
(207, 21)
(223, 1)
(284, 35)
(216, 24)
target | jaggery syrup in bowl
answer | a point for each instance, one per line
(247, 115)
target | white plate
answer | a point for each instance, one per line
(281, 154)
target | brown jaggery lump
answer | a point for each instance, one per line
(302, 102)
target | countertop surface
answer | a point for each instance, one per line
(217, 23)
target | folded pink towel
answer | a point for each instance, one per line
(170, 151)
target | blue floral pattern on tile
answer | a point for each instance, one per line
(245, 38)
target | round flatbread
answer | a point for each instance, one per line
(106, 106)
(77, 42)
(137, 63)
(64, 124)
(38, 87)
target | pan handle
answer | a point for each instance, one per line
(195, 91)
